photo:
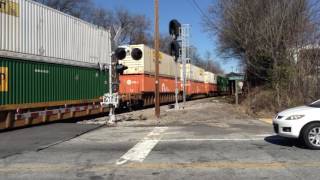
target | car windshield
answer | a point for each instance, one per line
(315, 104)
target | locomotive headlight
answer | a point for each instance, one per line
(295, 117)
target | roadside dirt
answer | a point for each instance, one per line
(204, 111)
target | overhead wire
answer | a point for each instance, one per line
(199, 10)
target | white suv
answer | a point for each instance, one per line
(301, 122)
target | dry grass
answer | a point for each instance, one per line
(260, 102)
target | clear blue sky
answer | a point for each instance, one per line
(182, 10)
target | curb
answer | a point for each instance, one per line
(266, 120)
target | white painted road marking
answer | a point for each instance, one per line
(141, 150)
(260, 138)
(223, 139)
(265, 135)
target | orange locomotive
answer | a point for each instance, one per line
(137, 83)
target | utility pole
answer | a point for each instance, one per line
(237, 92)
(156, 47)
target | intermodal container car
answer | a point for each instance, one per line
(195, 77)
(32, 31)
(146, 65)
(223, 85)
(193, 73)
(52, 65)
(137, 84)
(210, 80)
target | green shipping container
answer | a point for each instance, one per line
(27, 82)
(223, 84)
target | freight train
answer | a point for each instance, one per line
(137, 81)
(54, 66)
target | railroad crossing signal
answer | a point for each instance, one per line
(174, 28)
(175, 49)
(120, 68)
(121, 53)
(136, 54)
(174, 31)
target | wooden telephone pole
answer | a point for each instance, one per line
(156, 47)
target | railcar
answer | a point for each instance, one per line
(223, 85)
(52, 65)
(210, 84)
(137, 82)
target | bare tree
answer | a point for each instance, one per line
(135, 27)
(195, 57)
(207, 63)
(165, 43)
(211, 65)
(102, 17)
(265, 36)
(78, 8)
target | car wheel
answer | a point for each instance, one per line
(311, 136)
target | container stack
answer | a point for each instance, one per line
(48, 59)
(210, 80)
(139, 77)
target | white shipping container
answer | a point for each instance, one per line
(193, 73)
(29, 30)
(210, 78)
(146, 65)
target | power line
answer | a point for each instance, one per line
(195, 4)
(195, 8)
(198, 7)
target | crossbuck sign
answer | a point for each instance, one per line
(112, 99)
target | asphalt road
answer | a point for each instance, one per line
(229, 149)
(186, 152)
(39, 137)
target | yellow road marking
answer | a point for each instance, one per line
(266, 120)
(38, 168)
(222, 165)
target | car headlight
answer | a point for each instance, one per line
(295, 117)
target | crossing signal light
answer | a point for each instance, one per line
(120, 53)
(174, 31)
(120, 68)
(136, 54)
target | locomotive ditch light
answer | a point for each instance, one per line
(136, 54)
(120, 53)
